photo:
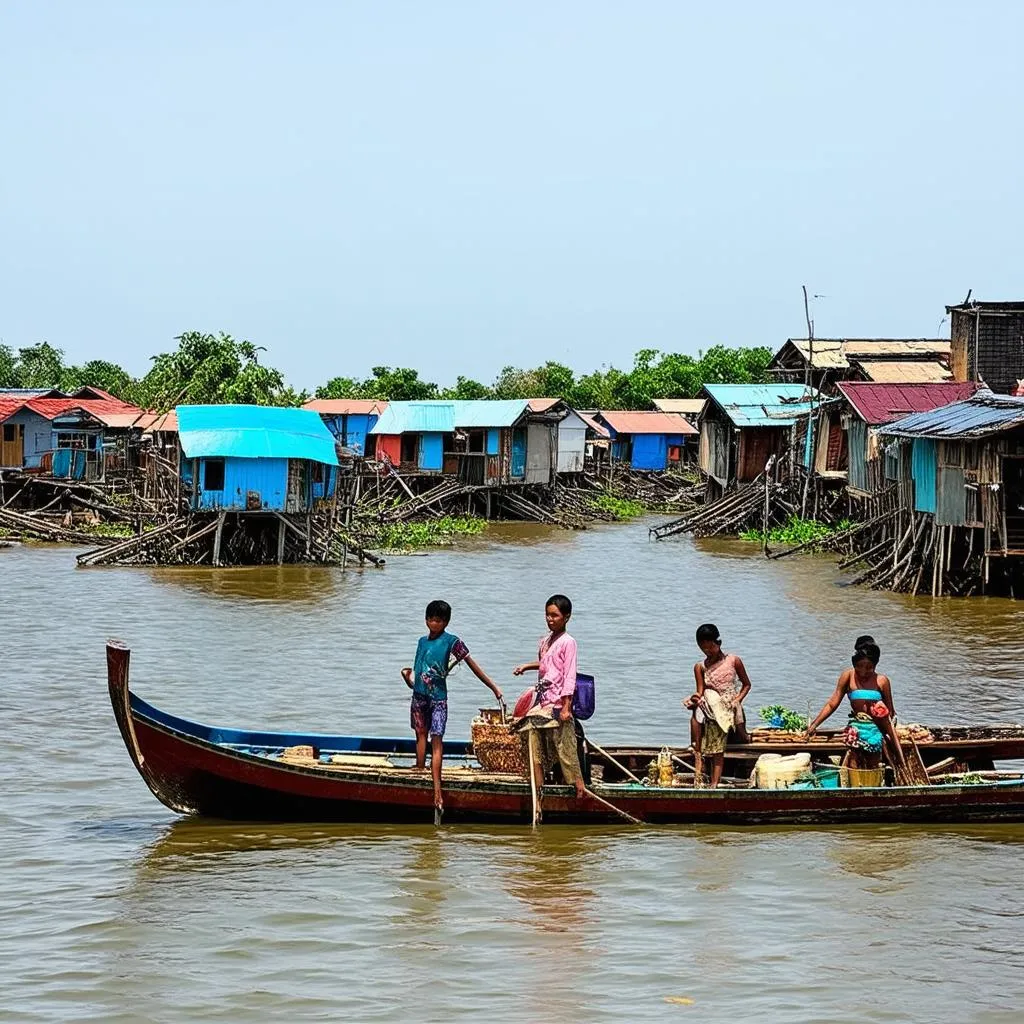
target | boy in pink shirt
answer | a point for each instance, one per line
(549, 726)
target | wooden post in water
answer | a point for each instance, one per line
(221, 516)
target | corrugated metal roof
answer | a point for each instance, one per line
(543, 404)
(836, 353)
(647, 423)
(254, 432)
(443, 417)
(152, 422)
(886, 403)
(981, 415)
(886, 371)
(592, 424)
(416, 418)
(490, 412)
(683, 406)
(763, 405)
(346, 406)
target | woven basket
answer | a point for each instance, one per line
(497, 748)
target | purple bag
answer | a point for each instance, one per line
(583, 697)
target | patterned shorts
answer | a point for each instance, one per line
(428, 715)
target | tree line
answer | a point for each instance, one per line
(217, 368)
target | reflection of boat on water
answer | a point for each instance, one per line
(241, 774)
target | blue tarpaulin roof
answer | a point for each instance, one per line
(254, 432)
(444, 417)
(978, 416)
(763, 405)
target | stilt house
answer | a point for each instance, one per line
(964, 465)
(350, 420)
(744, 425)
(249, 458)
(647, 441)
(865, 408)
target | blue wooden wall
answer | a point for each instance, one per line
(267, 476)
(431, 452)
(923, 470)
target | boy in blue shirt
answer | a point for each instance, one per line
(437, 654)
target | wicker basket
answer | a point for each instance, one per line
(497, 748)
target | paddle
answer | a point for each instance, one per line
(604, 753)
(533, 781)
(611, 807)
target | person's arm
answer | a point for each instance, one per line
(741, 671)
(886, 687)
(698, 674)
(407, 676)
(483, 677)
(830, 705)
(529, 666)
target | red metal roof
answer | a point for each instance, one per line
(885, 403)
(592, 424)
(9, 406)
(346, 406)
(648, 423)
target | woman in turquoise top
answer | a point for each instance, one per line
(871, 708)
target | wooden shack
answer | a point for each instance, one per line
(987, 344)
(351, 421)
(647, 441)
(823, 362)
(865, 407)
(967, 470)
(744, 425)
(253, 459)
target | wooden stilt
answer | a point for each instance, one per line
(218, 536)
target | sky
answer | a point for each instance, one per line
(461, 186)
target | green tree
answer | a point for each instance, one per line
(40, 366)
(467, 390)
(10, 376)
(211, 369)
(398, 384)
(99, 373)
(340, 387)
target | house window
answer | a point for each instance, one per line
(9, 432)
(213, 475)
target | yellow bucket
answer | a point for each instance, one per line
(863, 778)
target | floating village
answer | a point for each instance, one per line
(908, 454)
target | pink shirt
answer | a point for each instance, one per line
(557, 674)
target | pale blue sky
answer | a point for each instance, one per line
(457, 186)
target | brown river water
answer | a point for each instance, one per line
(112, 909)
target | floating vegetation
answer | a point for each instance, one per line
(797, 531)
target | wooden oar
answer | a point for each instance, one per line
(620, 766)
(611, 807)
(533, 779)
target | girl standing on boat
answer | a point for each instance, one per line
(871, 708)
(722, 684)
(547, 727)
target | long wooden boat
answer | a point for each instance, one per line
(241, 774)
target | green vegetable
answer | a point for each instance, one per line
(783, 718)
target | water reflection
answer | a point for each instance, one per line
(304, 584)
